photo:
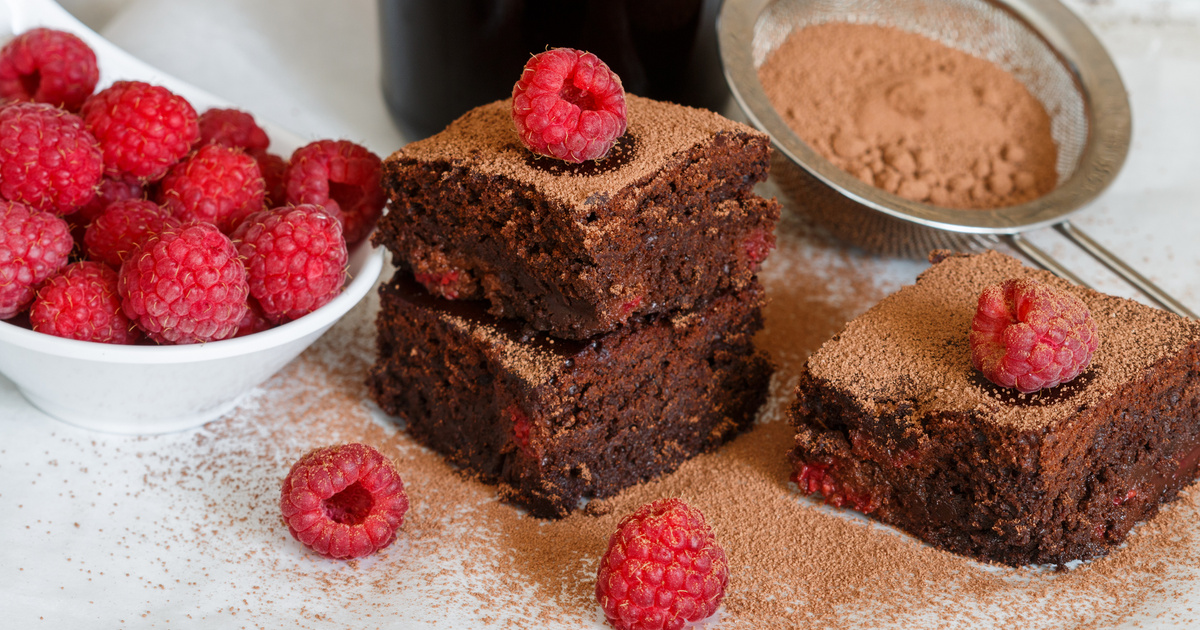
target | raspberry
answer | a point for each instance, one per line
(185, 285)
(48, 160)
(1029, 336)
(663, 568)
(48, 66)
(119, 188)
(274, 169)
(814, 477)
(123, 227)
(217, 184)
(81, 302)
(143, 129)
(253, 321)
(344, 178)
(758, 246)
(232, 128)
(295, 259)
(344, 501)
(33, 245)
(569, 105)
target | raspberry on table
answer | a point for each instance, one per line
(48, 159)
(343, 177)
(663, 568)
(344, 501)
(569, 105)
(48, 66)
(1029, 336)
(123, 227)
(143, 129)
(111, 189)
(295, 259)
(33, 246)
(218, 184)
(81, 302)
(232, 128)
(185, 285)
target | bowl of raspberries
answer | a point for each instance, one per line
(160, 254)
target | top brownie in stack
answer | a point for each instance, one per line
(893, 420)
(666, 222)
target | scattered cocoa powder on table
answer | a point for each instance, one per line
(913, 116)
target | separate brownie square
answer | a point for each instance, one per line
(665, 223)
(893, 420)
(552, 420)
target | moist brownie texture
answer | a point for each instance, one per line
(894, 421)
(553, 420)
(665, 223)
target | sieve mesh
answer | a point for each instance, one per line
(976, 27)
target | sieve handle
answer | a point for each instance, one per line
(1104, 257)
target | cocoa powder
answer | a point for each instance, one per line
(912, 116)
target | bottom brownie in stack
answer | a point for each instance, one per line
(552, 420)
(893, 420)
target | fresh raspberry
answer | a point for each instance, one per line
(217, 184)
(663, 568)
(274, 171)
(814, 477)
(123, 227)
(48, 66)
(48, 160)
(232, 128)
(253, 321)
(81, 302)
(295, 259)
(343, 177)
(569, 105)
(33, 245)
(143, 129)
(120, 188)
(1029, 336)
(185, 285)
(344, 501)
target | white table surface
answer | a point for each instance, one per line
(311, 66)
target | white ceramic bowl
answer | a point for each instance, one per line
(156, 389)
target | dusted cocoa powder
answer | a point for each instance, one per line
(912, 116)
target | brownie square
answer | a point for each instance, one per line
(893, 420)
(552, 420)
(665, 223)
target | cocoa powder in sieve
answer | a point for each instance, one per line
(912, 116)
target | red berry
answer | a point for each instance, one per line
(217, 184)
(663, 568)
(813, 477)
(48, 66)
(48, 160)
(123, 227)
(344, 178)
(253, 321)
(1029, 336)
(232, 128)
(120, 188)
(143, 129)
(274, 170)
(295, 259)
(81, 302)
(33, 245)
(344, 501)
(569, 105)
(185, 285)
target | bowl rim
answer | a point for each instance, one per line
(1106, 103)
(366, 259)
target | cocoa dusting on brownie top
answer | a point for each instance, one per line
(913, 346)
(484, 140)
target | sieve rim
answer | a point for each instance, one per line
(1106, 107)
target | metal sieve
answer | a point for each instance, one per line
(1040, 42)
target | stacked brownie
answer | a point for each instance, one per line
(567, 330)
(893, 420)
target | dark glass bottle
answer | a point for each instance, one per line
(443, 57)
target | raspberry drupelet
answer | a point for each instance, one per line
(344, 501)
(569, 105)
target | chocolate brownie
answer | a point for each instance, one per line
(892, 420)
(553, 420)
(665, 223)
